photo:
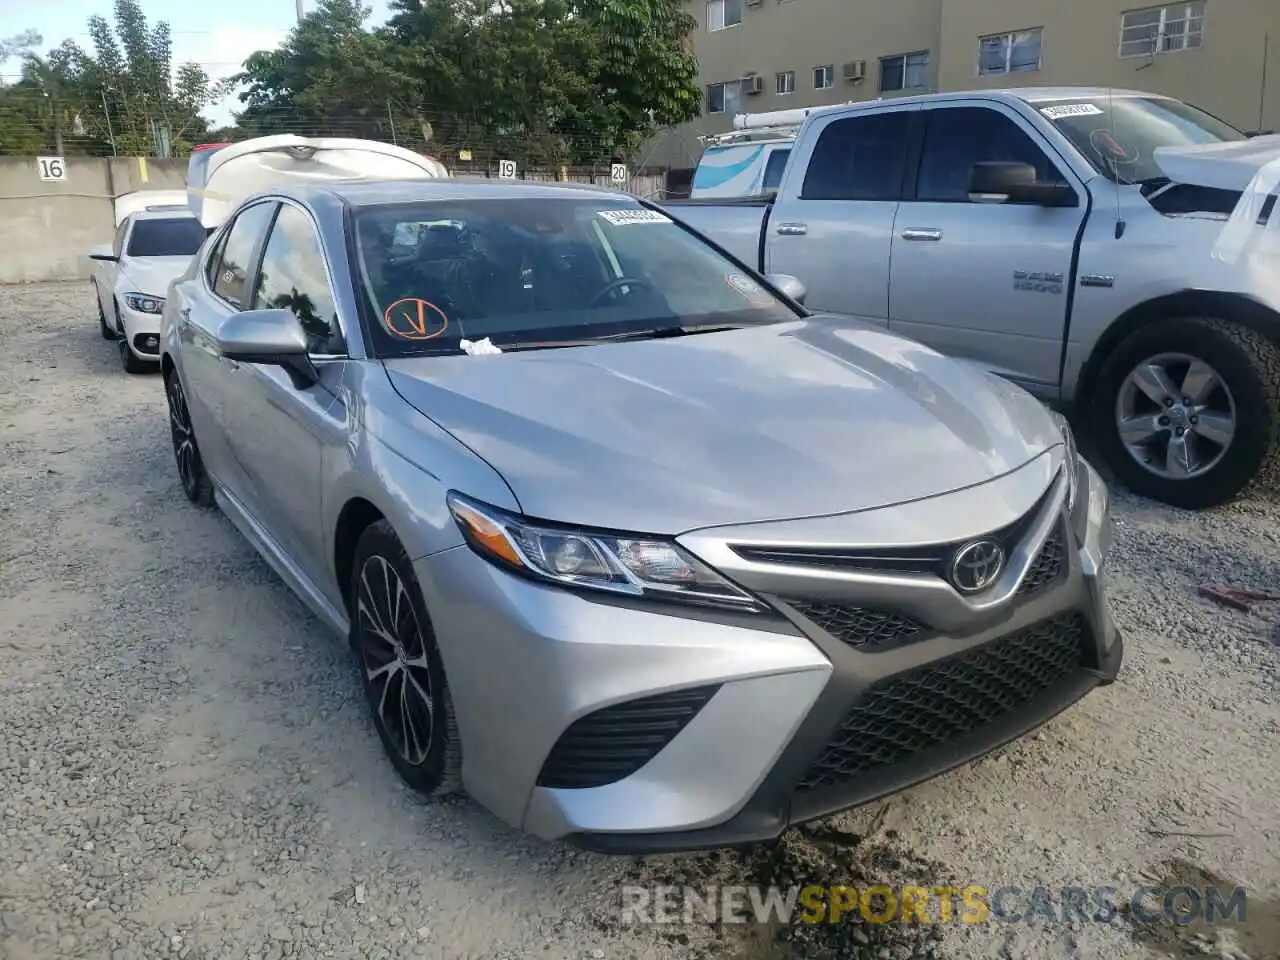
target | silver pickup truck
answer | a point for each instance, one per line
(1107, 249)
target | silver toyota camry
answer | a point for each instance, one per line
(625, 542)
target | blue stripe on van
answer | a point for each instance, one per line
(707, 177)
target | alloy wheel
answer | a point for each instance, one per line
(1175, 416)
(184, 439)
(394, 658)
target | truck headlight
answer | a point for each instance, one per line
(142, 303)
(634, 566)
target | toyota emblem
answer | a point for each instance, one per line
(977, 565)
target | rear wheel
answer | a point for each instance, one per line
(400, 665)
(195, 482)
(1188, 411)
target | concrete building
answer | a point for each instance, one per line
(754, 55)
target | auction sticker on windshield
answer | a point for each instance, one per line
(414, 319)
(1061, 111)
(620, 218)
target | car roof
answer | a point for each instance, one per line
(362, 193)
(162, 215)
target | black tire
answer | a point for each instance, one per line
(1249, 364)
(431, 761)
(104, 327)
(191, 473)
(128, 359)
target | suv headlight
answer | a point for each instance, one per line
(144, 304)
(611, 562)
(1072, 462)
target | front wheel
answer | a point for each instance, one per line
(1188, 410)
(400, 665)
(195, 481)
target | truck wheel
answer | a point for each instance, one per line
(1187, 410)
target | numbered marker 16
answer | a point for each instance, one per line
(51, 169)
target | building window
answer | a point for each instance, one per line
(723, 13)
(724, 97)
(1167, 29)
(1009, 52)
(824, 77)
(907, 71)
(785, 83)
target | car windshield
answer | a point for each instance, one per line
(1119, 135)
(528, 272)
(166, 237)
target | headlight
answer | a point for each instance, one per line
(614, 563)
(1072, 459)
(144, 304)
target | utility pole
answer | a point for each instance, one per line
(298, 3)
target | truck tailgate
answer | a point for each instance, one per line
(733, 224)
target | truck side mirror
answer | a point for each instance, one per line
(999, 181)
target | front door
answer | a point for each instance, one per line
(832, 224)
(279, 425)
(984, 281)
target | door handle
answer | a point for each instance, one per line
(792, 229)
(922, 234)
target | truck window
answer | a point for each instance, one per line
(957, 138)
(773, 169)
(858, 158)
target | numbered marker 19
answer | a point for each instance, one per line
(507, 169)
(51, 169)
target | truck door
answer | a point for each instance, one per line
(986, 281)
(832, 224)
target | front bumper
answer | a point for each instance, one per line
(768, 722)
(141, 332)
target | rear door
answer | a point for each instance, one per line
(277, 425)
(832, 225)
(985, 281)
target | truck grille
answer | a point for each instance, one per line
(613, 743)
(859, 626)
(949, 699)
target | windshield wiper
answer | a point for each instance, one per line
(652, 333)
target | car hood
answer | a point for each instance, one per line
(807, 418)
(1230, 165)
(152, 275)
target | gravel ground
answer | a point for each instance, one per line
(186, 767)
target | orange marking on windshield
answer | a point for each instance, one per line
(412, 318)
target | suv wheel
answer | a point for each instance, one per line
(1188, 410)
(400, 665)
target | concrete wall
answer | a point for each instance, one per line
(46, 229)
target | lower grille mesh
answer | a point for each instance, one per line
(858, 626)
(947, 700)
(610, 744)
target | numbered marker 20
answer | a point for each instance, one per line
(618, 173)
(51, 169)
(507, 169)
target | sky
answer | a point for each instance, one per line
(219, 40)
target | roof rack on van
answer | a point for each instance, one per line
(769, 125)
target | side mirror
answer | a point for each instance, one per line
(994, 181)
(267, 336)
(104, 253)
(789, 286)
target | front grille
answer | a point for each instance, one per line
(1047, 567)
(949, 699)
(859, 626)
(610, 744)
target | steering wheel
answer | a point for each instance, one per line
(613, 285)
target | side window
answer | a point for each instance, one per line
(859, 158)
(215, 260)
(117, 244)
(293, 278)
(958, 138)
(773, 169)
(237, 249)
